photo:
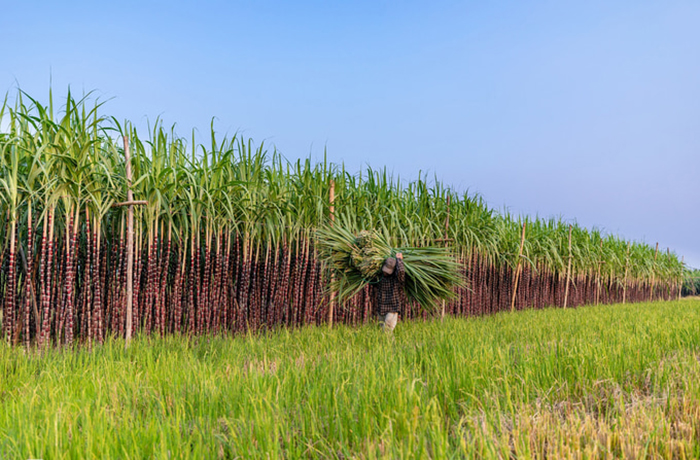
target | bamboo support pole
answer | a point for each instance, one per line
(653, 277)
(447, 220)
(331, 306)
(130, 202)
(597, 279)
(129, 244)
(627, 266)
(668, 286)
(680, 283)
(447, 240)
(516, 275)
(129, 241)
(568, 272)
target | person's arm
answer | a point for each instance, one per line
(400, 271)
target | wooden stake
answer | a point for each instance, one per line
(653, 278)
(130, 202)
(129, 244)
(447, 220)
(668, 287)
(568, 272)
(680, 284)
(597, 279)
(627, 266)
(129, 241)
(332, 199)
(447, 226)
(518, 267)
(331, 306)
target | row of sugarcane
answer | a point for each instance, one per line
(225, 236)
(237, 285)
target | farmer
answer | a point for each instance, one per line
(390, 291)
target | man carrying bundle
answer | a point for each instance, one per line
(424, 277)
(390, 291)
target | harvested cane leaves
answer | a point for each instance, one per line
(432, 273)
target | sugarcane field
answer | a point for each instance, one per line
(164, 297)
(224, 238)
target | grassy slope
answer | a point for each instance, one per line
(613, 380)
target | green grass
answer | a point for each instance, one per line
(617, 381)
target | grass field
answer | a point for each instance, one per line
(618, 381)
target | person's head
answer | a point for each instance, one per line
(389, 266)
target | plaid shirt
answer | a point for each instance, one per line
(390, 290)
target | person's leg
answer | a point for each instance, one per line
(390, 321)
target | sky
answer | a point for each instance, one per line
(587, 111)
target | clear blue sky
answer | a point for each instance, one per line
(587, 110)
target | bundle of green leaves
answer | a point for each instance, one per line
(356, 259)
